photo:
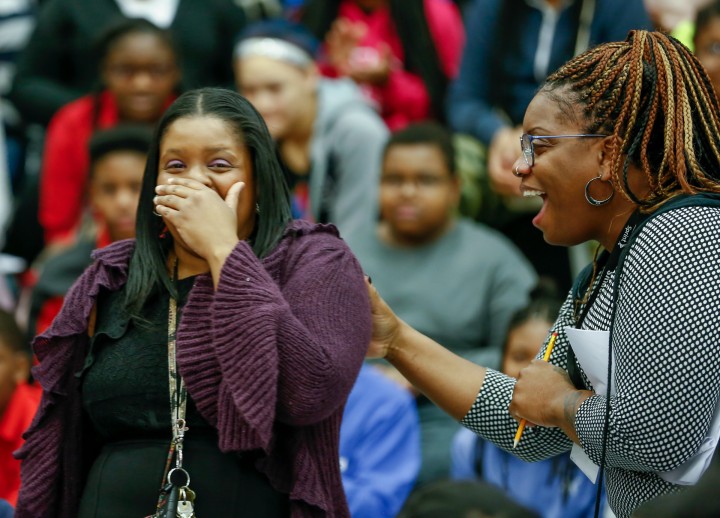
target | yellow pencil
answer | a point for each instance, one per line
(546, 357)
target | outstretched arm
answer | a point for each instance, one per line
(451, 381)
(477, 396)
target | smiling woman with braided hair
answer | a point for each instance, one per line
(621, 144)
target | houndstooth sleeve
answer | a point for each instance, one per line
(489, 416)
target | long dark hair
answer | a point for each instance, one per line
(421, 56)
(148, 271)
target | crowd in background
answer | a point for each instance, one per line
(396, 120)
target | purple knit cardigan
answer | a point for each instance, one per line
(269, 359)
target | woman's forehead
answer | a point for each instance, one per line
(198, 129)
(552, 109)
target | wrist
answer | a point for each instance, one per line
(219, 254)
(567, 408)
(399, 340)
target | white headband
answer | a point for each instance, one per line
(273, 48)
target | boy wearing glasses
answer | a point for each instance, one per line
(456, 280)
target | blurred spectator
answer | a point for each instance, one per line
(512, 46)
(17, 19)
(379, 446)
(18, 402)
(676, 17)
(554, 488)
(402, 52)
(117, 163)
(707, 41)
(456, 281)
(139, 76)
(669, 15)
(6, 196)
(59, 63)
(462, 499)
(330, 140)
(256, 10)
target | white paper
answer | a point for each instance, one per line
(591, 351)
(585, 463)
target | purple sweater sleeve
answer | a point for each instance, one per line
(284, 347)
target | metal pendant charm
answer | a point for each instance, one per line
(185, 509)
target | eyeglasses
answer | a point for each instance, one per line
(528, 150)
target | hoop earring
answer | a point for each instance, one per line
(592, 201)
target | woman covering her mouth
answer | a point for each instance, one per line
(225, 330)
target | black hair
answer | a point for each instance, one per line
(123, 137)
(704, 16)
(121, 27)
(544, 304)
(11, 336)
(421, 56)
(114, 32)
(148, 270)
(429, 133)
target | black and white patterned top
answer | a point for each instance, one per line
(666, 344)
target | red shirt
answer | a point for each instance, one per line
(13, 422)
(404, 98)
(65, 162)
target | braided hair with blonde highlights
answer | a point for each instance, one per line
(652, 94)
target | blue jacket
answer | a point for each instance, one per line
(554, 487)
(502, 65)
(379, 446)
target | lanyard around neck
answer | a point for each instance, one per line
(608, 262)
(178, 391)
